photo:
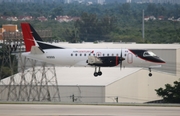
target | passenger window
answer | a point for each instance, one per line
(93, 54)
(71, 54)
(80, 54)
(117, 54)
(84, 54)
(107, 54)
(112, 54)
(75, 54)
(103, 55)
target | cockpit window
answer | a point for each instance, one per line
(148, 53)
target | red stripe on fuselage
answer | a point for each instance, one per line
(27, 35)
(117, 60)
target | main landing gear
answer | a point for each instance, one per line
(99, 73)
(150, 74)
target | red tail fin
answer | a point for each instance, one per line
(27, 35)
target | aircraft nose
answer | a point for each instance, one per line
(159, 60)
(163, 61)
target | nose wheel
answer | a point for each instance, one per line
(99, 73)
(150, 74)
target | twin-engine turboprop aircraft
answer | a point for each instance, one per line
(38, 50)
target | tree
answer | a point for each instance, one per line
(57, 12)
(6, 72)
(171, 94)
(116, 21)
(151, 9)
(94, 28)
(72, 35)
(87, 27)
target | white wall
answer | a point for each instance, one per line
(178, 62)
(138, 87)
(169, 55)
(85, 94)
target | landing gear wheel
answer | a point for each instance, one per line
(99, 73)
(95, 74)
(150, 74)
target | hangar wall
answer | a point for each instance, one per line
(22, 93)
(170, 56)
(138, 87)
(85, 94)
(178, 62)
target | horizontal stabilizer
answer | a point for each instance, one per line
(36, 50)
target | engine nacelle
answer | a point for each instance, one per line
(106, 61)
(94, 60)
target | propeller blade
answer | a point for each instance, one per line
(120, 64)
(120, 60)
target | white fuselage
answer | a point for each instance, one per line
(79, 57)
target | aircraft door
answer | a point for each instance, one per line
(129, 58)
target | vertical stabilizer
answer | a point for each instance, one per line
(31, 38)
(27, 35)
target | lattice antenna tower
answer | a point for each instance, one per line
(32, 79)
(11, 40)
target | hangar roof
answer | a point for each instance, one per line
(84, 76)
(118, 45)
(78, 76)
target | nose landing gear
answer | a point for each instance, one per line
(150, 74)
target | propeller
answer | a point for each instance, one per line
(120, 60)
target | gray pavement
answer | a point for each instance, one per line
(85, 110)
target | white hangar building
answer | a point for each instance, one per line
(129, 85)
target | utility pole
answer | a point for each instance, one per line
(143, 26)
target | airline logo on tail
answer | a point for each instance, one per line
(27, 35)
(31, 38)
